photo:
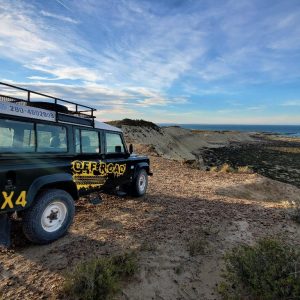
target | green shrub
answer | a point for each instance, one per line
(268, 270)
(99, 278)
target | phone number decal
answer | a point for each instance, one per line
(25, 111)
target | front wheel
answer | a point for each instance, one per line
(50, 217)
(140, 184)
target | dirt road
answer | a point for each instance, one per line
(182, 206)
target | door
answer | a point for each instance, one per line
(118, 166)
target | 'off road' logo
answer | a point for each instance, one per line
(98, 168)
(93, 174)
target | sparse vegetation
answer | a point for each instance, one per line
(244, 169)
(148, 246)
(226, 168)
(99, 278)
(295, 214)
(178, 269)
(197, 246)
(214, 169)
(268, 270)
(287, 149)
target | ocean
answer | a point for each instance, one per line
(287, 130)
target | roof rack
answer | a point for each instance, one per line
(72, 112)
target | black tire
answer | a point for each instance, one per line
(50, 217)
(137, 188)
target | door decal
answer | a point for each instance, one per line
(93, 174)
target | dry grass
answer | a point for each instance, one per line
(226, 168)
(244, 170)
(214, 169)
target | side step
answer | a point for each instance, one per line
(5, 226)
(121, 193)
(96, 200)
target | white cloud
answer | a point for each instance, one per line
(65, 72)
(111, 103)
(59, 17)
(291, 103)
(150, 59)
(141, 50)
(29, 41)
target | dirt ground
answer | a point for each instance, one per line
(182, 206)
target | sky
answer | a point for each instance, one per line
(166, 61)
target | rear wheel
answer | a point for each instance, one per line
(50, 217)
(140, 184)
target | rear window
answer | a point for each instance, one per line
(16, 136)
(51, 138)
(88, 140)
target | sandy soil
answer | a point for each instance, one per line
(182, 205)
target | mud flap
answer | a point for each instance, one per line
(5, 226)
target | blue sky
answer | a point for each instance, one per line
(182, 61)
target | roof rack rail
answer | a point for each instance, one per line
(72, 112)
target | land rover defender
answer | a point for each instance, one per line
(53, 152)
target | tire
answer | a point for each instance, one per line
(140, 184)
(50, 217)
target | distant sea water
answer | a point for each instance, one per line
(287, 130)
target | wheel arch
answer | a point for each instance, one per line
(63, 181)
(142, 165)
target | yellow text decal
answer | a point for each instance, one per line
(93, 174)
(9, 199)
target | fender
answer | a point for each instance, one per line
(142, 165)
(49, 179)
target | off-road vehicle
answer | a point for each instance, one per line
(53, 152)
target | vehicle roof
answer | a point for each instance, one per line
(101, 125)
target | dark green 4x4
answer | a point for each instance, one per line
(52, 153)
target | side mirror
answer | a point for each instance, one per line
(130, 148)
(118, 149)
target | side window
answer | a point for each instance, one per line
(89, 141)
(114, 143)
(16, 136)
(51, 138)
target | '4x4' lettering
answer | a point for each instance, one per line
(8, 199)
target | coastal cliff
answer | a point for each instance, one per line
(177, 143)
(273, 156)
